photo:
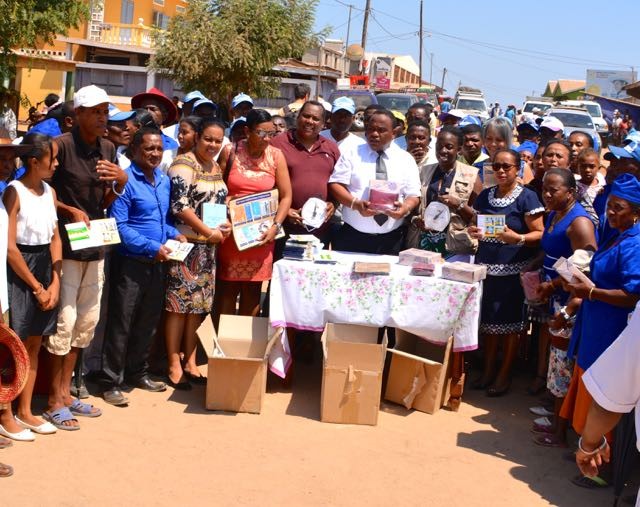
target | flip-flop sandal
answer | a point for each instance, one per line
(59, 417)
(5, 470)
(80, 408)
(590, 482)
(549, 441)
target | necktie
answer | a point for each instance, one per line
(381, 174)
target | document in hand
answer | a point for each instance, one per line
(101, 232)
(179, 251)
(251, 216)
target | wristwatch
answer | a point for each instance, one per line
(278, 226)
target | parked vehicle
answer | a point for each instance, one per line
(531, 103)
(575, 118)
(362, 99)
(397, 101)
(594, 109)
(471, 101)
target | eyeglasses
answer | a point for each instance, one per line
(263, 134)
(502, 167)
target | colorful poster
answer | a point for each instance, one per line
(609, 83)
(251, 216)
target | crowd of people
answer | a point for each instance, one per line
(154, 170)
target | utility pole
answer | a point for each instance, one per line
(421, 42)
(444, 73)
(431, 70)
(346, 43)
(365, 24)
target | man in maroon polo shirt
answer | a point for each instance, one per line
(310, 159)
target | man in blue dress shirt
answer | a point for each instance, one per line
(138, 275)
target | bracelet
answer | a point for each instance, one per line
(521, 241)
(601, 447)
(113, 187)
(461, 205)
(565, 315)
(278, 226)
(353, 202)
(210, 236)
(39, 290)
(590, 292)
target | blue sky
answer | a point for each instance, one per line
(553, 39)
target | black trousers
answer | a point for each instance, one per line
(348, 239)
(136, 299)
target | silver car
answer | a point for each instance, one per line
(575, 118)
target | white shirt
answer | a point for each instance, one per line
(344, 144)
(357, 167)
(431, 153)
(123, 160)
(37, 218)
(614, 379)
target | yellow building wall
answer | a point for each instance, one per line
(141, 9)
(36, 84)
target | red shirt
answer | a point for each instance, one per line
(309, 170)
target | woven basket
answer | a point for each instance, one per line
(14, 365)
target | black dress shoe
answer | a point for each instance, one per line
(115, 397)
(151, 385)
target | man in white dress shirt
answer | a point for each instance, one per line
(614, 383)
(366, 230)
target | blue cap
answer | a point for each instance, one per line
(236, 121)
(470, 120)
(239, 99)
(629, 150)
(627, 187)
(48, 127)
(191, 96)
(116, 115)
(528, 145)
(345, 103)
(527, 125)
(203, 102)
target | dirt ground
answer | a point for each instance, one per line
(165, 449)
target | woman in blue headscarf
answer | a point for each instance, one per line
(605, 308)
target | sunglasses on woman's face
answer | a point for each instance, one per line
(263, 134)
(502, 167)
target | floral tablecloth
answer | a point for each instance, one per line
(306, 296)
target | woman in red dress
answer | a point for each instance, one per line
(252, 165)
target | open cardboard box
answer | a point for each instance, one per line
(237, 377)
(419, 375)
(351, 374)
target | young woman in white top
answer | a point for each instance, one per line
(34, 258)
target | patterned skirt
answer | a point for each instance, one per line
(191, 284)
(502, 305)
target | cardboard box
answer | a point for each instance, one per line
(416, 256)
(351, 374)
(464, 272)
(237, 376)
(419, 374)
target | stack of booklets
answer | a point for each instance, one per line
(302, 247)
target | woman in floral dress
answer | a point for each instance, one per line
(196, 179)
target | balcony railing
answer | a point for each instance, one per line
(121, 34)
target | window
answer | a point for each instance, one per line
(180, 9)
(126, 12)
(158, 2)
(160, 20)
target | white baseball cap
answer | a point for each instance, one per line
(90, 96)
(552, 123)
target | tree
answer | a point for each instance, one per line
(29, 24)
(222, 47)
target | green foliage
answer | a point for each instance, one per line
(24, 24)
(221, 47)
